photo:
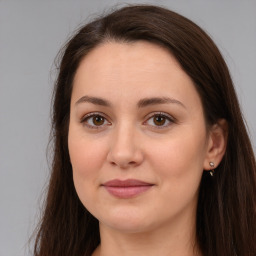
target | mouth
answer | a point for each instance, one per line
(126, 188)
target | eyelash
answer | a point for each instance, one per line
(89, 116)
(168, 118)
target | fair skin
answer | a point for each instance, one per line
(135, 114)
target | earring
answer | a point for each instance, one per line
(212, 171)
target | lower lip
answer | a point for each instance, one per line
(127, 192)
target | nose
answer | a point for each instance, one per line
(124, 149)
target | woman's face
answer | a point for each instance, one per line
(137, 137)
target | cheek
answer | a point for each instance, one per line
(86, 158)
(181, 157)
(179, 166)
(83, 157)
(86, 152)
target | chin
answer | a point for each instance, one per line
(127, 221)
(127, 227)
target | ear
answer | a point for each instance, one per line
(217, 143)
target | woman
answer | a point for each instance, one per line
(151, 154)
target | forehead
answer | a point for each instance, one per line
(132, 70)
(115, 59)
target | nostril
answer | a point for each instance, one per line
(124, 165)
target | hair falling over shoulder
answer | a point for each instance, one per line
(226, 214)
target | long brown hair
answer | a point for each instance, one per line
(226, 214)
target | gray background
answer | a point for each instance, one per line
(31, 33)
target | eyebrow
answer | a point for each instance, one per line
(158, 100)
(94, 100)
(141, 103)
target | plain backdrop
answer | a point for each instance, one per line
(31, 33)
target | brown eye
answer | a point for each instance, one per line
(159, 120)
(98, 120)
(95, 121)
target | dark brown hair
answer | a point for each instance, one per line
(226, 214)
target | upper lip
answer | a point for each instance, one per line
(126, 183)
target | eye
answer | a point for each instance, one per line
(95, 120)
(160, 120)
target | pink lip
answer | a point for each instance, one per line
(126, 188)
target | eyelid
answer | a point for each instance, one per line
(170, 118)
(92, 114)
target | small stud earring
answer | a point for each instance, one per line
(212, 171)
